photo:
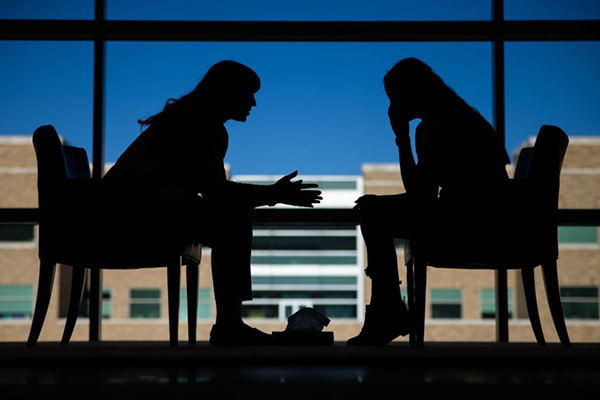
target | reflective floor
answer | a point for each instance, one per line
(439, 370)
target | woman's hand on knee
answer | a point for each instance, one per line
(364, 202)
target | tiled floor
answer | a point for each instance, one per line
(134, 370)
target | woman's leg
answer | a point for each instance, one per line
(231, 250)
(380, 223)
(386, 317)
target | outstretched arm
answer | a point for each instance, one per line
(293, 193)
(284, 191)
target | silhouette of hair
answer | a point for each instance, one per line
(417, 83)
(221, 80)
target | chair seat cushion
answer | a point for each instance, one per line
(479, 250)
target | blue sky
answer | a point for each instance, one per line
(322, 108)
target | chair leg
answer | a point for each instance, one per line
(95, 332)
(410, 292)
(77, 286)
(527, 275)
(550, 272)
(191, 270)
(501, 306)
(44, 292)
(173, 287)
(420, 281)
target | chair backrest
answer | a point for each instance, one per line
(55, 164)
(546, 163)
(540, 166)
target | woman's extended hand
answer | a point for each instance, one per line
(294, 193)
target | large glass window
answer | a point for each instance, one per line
(144, 303)
(47, 83)
(446, 303)
(307, 10)
(16, 301)
(44, 9)
(579, 302)
(551, 9)
(326, 98)
(552, 83)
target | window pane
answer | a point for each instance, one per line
(16, 233)
(556, 83)
(145, 303)
(446, 303)
(260, 311)
(445, 294)
(591, 292)
(309, 10)
(204, 304)
(551, 9)
(336, 311)
(43, 83)
(487, 303)
(578, 234)
(304, 280)
(452, 311)
(145, 293)
(580, 302)
(145, 311)
(279, 294)
(16, 301)
(84, 308)
(44, 9)
(291, 260)
(304, 243)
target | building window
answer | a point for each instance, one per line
(278, 297)
(16, 301)
(144, 303)
(446, 303)
(578, 235)
(16, 233)
(487, 303)
(579, 302)
(84, 309)
(204, 304)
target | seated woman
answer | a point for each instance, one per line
(458, 184)
(171, 183)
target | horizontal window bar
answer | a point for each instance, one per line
(302, 217)
(304, 31)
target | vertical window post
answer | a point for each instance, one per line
(98, 155)
(498, 71)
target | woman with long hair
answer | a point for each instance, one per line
(172, 184)
(458, 182)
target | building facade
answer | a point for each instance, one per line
(294, 266)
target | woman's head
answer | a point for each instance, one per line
(230, 87)
(413, 83)
(227, 88)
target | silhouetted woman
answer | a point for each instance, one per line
(458, 182)
(173, 181)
